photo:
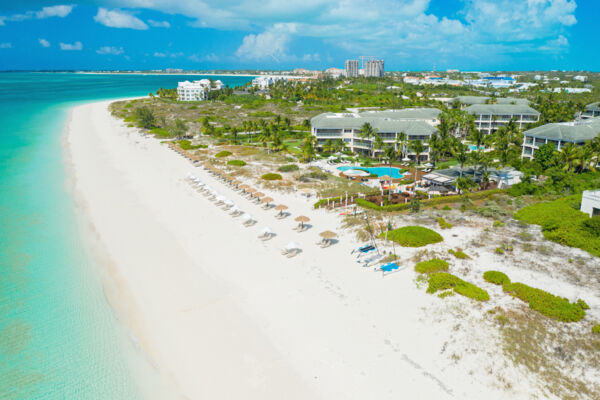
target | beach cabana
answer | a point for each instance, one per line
(281, 208)
(327, 238)
(302, 219)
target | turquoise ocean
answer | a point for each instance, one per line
(59, 338)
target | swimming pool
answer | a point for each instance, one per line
(379, 171)
(473, 147)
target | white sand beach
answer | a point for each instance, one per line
(223, 315)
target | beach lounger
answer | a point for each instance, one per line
(292, 253)
(249, 222)
(281, 215)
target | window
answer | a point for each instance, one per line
(595, 211)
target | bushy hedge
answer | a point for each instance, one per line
(271, 177)
(431, 266)
(458, 254)
(236, 163)
(288, 168)
(496, 277)
(562, 223)
(434, 201)
(444, 281)
(443, 224)
(547, 304)
(223, 153)
(413, 236)
(330, 200)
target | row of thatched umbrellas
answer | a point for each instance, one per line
(262, 198)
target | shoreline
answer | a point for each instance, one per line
(211, 304)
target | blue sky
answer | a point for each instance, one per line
(281, 34)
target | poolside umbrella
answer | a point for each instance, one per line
(292, 246)
(267, 200)
(302, 219)
(280, 208)
(328, 235)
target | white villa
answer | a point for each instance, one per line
(590, 202)
(263, 82)
(415, 123)
(197, 90)
(559, 134)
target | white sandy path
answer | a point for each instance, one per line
(223, 314)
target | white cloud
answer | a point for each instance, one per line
(71, 47)
(5, 45)
(157, 54)
(119, 19)
(212, 57)
(60, 11)
(110, 50)
(271, 44)
(159, 24)
(44, 42)
(311, 57)
(54, 11)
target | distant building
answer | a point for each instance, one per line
(416, 123)
(173, 70)
(192, 91)
(412, 80)
(351, 70)
(374, 69)
(263, 82)
(580, 78)
(470, 100)
(591, 110)
(558, 134)
(504, 177)
(590, 202)
(490, 117)
(334, 72)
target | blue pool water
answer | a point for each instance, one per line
(474, 147)
(379, 171)
(59, 338)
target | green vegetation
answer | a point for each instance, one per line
(271, 177)
(498, 224)
(583, 304)
(431, 266)
(596, 329)
(458, 254)
(414, 236)
(562, 222)
(496, 277)
(288, 168)
(187, 145)
(236, 163)
(223, 153)
(145, 117)
(443, 224)
(445, 281)
(547, 304)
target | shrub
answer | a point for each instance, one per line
(187, 145)
(592, 225)
(223, 153)
(288, 168)
(499, 250)
(546, 303)
(496, 277)
(445, 281)
(271, 177)
(414, 236)
(498, 224)
(596, 329)
(583, 304)
(443, 224)
(431, 266)
(458, 254)
(446, 208)
(236, 163)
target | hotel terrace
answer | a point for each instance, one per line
(558, 134)
(416, 123)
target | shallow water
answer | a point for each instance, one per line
(59, 338)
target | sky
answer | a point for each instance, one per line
(315, 34)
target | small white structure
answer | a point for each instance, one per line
(192, 91)
(263, 82)
(590, 202)
(580, 78)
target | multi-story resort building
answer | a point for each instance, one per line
(470, 100)
(558, 134)
(351, 70)
(591, 111)
(374, 68)
(263, 82)
(192, 91)
(415, 123)
(490, 117)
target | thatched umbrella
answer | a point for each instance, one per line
(258, 195)
(280, 208)
(243, 186)
(266, 200)
(250, 190)
(328, 235)
(302, 219)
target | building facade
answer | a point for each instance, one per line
(591, 111)
(415, 123)
(192, 91)
(559, 134)
(590, 202)
(374, 69)
(490, 117)
(351, 69)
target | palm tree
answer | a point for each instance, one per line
(417, 147)
(308, 148)
(435, 147)
(366, 132)
(391, 155)
(401, 140)
(377, 143)
(461, 155)
(568, 156)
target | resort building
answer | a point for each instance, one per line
(374, 69)
(590, 202)
(591, 111)
(351, 70)
(192, 91)
(559, 134)
(502, 178)
(263, 82)
(489, 117)
(470, 100)
(415, 123)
